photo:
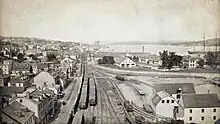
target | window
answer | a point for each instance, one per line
(214, 117)
(176, 109)
(172, 101)
(178, 96)
(202, 110)
(168, 101)
(190, 111)
(202, 118)
(214, 110)
(190, 118)
(162, 101)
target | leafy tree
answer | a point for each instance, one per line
(1, 71)
(20, 57)
(170, 60)
(51, 57)
(1, 54)
(108, 60)
(31, 69)
(201, 63)
(164, 58)
(211, 59)
(135, 58)
(100, 61)
(33, 57)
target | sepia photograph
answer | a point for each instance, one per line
(109, 61)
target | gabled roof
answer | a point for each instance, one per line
(195, 58)
(15, 80)
(42, 65)
(121, 59)
(21, 67)
(172, 88)
(18, 112)
(8, 91)
(159, 96)
(200, 100)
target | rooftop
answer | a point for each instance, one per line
(159, 96)
(200, 100)
(18, 112)
(120, 59)
(172, 88)
(195, 58)
(8, 91)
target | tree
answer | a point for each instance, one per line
(201, 63)
(164, 58)
(33, 57)
(135, 58)
(31, 69)
(211, 59)
(170, 60)
(1, 54)
(100, 61)
(20, 57)
(51, 57)
(108, 60)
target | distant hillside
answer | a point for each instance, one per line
(31, 40)
(209, 42)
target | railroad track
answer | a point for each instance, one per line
(150, 117)
(120, 96)
(108, 103)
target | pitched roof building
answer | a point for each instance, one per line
(18, 114)
(124, 62)
(172, 88)
(164, 104)
(199, 108)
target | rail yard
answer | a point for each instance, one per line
(100, 101)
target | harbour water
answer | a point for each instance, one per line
(155, 49)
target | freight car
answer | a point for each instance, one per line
(83, 103)
(148, 108)
(120, 78)
(92, 92)
(128, 106)
(139, 120)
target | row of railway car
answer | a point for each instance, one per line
(89, 91)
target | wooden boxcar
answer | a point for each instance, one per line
(92, 92)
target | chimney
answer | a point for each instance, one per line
(28, 94)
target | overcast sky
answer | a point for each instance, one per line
(111, 20)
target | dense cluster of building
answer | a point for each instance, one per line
(30, 90)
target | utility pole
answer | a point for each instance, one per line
(216, 43)
(204, 43)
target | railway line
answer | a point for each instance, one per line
(120, 96)
(108, 104)
(103, 110)
(151, 118)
